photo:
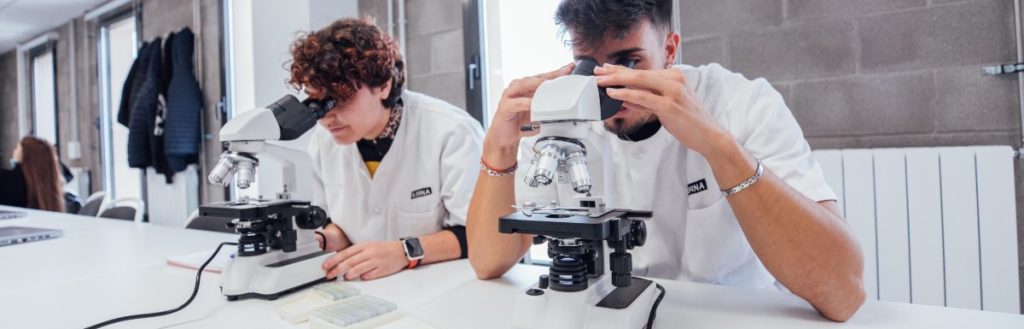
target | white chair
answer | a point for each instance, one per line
(95, 204)
(126, 208)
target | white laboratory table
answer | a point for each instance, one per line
(91, 246)
(118, 269)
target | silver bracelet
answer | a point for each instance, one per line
(496, 173)
(745, 184)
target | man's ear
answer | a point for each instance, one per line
(671, 48)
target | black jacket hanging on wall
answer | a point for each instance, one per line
(142, 103)
(156, 140)
(162, 106)
(184, 105)
(136, 75)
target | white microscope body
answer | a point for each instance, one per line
(292, 259)
(567, 147)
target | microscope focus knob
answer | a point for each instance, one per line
(314, 217)
(621, 280)
(637, 234)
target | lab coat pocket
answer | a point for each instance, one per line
(715, 245)
(419, 223)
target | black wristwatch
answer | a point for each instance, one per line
(413, 251)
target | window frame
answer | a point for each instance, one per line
(48, 47)
(104, 88)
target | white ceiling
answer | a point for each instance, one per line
(22, 20)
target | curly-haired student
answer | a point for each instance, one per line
(394, 169)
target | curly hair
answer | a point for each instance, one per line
(345, 56)
(590, 21)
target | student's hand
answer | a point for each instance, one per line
(367, 261)
(336, 239)
(665, 93)
(502, 141)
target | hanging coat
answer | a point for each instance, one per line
(132, 83)
(160, 163)
(143, 105)
(184, 105)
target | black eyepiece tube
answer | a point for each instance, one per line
(295, 118)
(609, 106)
(585, 67)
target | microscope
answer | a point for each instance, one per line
(277, 253)
(576, 293)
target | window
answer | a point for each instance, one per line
(520, 40)
(117, 50)
(43, 87)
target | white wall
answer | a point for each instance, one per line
(324, 12)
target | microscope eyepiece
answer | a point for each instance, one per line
(609, 106)
(319, 107)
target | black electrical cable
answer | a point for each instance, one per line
(654, 308)
(195, 291)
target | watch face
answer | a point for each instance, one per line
(413, 250)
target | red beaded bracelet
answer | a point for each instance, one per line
(490, 171)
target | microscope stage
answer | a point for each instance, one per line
(247, 208)
(561, 225)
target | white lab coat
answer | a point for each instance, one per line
(707, 244)
(424, 182)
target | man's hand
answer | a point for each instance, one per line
(367, 261)
(804, 244)
(336, 239)
(665, 94)
(502, 140)
(491, 253)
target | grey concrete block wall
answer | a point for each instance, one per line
(87, 93)
(812, 50)
(433, 46)
(873, 73)
(865, 105)
(712, 17)
(802, 10)
(8, 105)
(974, 32)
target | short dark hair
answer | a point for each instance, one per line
(346, 55)
(590, 21)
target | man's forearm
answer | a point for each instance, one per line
(440, 246)
(490, 252)
(804, 244)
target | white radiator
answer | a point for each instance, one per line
(937, 226)
(171, 204)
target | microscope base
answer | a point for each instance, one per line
(589, 309)
(273, 274)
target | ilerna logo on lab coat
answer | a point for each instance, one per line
(698, 186)
(421, 193)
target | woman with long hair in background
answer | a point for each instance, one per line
(35, 180)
